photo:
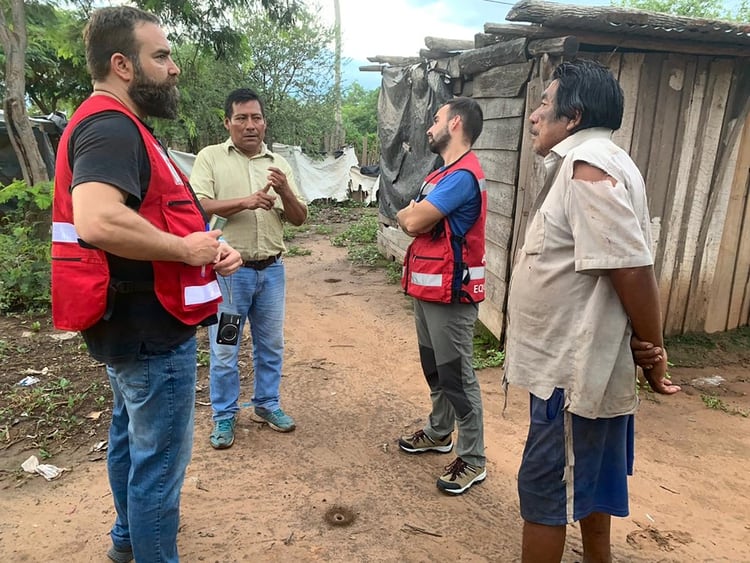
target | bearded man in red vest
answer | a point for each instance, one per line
(133, 269)
(444, 272)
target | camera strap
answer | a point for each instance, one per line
(228, 285)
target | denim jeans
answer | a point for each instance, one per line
(150, 442)
(257, 296)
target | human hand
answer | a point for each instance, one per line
(658, 379)
(277, 180)
(201, 247)
(261, 199)
(645, 354)
(228, 261)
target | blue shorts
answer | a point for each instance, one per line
(574, 466)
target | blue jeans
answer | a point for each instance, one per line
(257, 296)
(150, 442)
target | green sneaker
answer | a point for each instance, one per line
(459, 476)
(278, 419)
(223, 435)
(420, 442)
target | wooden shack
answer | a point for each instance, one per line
(686, 125)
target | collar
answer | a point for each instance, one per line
(561, 149)
(264, 152)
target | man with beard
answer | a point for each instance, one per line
(444, 272)
(243, 181)
(133, 269)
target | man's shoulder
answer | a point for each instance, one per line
(599, 152)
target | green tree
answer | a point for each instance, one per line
(56, 73)
(360, 115)
(206, 22)
(291, 70)
(14, 39)
(712, 9)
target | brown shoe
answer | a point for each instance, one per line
(420, 442)
(459, 476)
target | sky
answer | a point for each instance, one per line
(398, 27)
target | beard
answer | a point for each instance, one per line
(153, 98)
(437, 143)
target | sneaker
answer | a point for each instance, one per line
(278, 419)
(223, 435)
(120, 555)
(420, 442)
(459, 476)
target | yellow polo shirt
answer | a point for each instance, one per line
(223, 172)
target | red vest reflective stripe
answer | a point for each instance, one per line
(431, 272)
(80, 275)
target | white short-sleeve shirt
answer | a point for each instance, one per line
(566, 325)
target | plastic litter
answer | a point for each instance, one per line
(28, 381)
(49, 472)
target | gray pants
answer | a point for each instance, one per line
(445, 334)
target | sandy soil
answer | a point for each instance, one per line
(353, 384)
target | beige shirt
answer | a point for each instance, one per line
(566, 325)
(223, 172)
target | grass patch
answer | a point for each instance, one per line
(487, 352)
(323, 230)
(54, 408)
(393, 271)
(364, 231)
(360, 239)
(291, 231)
(298, 251)
(701, 350)
(716, 403)
(203, 357)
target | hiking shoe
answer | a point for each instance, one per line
(459, 476)
(420, 442)
(223, 435)
(120, 555)
(278, 419)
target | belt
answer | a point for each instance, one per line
(261, 264)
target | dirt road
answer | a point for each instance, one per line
(353, 384)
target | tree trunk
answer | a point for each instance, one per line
(13, 37)
(338, 133)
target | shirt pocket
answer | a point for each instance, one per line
(534, 242)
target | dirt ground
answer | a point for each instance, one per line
(352, 382)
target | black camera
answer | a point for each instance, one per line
(229, 329)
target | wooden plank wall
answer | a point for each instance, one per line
(696, 169)
(498, 149)
(694, 158)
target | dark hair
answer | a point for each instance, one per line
(471, 115)
(109, 31)
(591, 88)
(240, 96)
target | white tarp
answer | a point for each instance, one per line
(317, 179)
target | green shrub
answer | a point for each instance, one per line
(24, 247)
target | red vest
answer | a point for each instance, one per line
(443, 267)
(80, 274)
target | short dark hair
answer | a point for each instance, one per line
(471, 115)
(109, 31)
(240, 96)
(591, 88)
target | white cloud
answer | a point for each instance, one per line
(398, 27)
